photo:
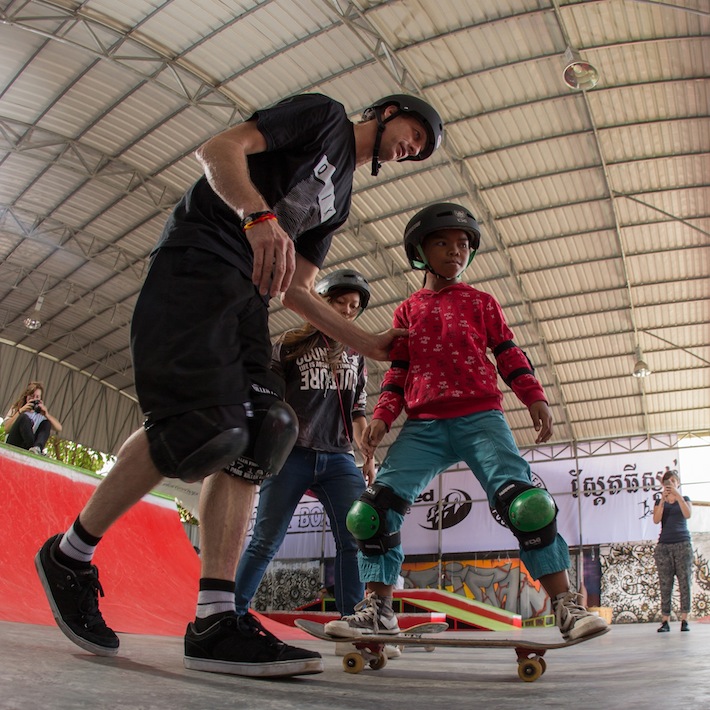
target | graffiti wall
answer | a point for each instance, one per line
(624, 573)
(504, 583)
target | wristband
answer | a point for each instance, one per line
(255, 217)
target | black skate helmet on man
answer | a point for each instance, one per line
(413, 106)
(442, 215)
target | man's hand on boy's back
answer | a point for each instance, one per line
(372, 436)
(542, 420)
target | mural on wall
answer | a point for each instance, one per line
(629, 581)
(504, 583)
(627, 577)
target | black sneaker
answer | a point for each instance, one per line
(240, 645)
(684, 625)
(73, 596)
(663, 628)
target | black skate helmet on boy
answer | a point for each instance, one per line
(413, 106)
(345, 280)
(442, 215)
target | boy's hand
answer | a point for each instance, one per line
(372, 436)
(368, 470)
(542, 420)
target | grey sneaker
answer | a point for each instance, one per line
(373, 615)
(36, 450)
(573, 620)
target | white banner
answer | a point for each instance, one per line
(609, 500)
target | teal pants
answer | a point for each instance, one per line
(427, 447)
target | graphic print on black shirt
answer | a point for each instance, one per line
(314, 389)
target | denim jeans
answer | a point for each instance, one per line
(337, 483)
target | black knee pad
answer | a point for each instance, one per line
(273, 430)
(193, 445)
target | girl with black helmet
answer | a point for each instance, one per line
(442, 376)
(325, 385)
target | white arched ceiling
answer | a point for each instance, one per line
(594, 205)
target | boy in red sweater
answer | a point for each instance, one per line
(449, 389)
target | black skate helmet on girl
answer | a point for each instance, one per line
(345, 280)
(442, 215)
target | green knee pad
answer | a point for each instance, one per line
(529, 512)
(367, 519)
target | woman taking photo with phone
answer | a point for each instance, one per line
(674, 551)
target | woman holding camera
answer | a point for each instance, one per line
(28, 423)
(674, 551)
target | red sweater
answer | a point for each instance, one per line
(441, 371)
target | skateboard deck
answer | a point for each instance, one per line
(412, 633)
(417, 631)
(370, 648)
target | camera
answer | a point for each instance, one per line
(35, 405)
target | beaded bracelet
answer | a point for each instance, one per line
(255, 217)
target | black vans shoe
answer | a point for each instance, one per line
(73, 596)
(240, 645)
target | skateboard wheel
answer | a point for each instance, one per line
(430, 649)
(378, 663)
(353, 663)
(530, 670)
(543, 665)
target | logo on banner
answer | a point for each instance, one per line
(455, 507)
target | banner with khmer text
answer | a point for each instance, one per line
(609, 500)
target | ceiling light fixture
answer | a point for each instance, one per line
(32, 322)
(578, 74)
(641, 369)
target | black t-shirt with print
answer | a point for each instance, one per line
(305, 175)
(326, 399)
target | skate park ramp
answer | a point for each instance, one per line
(461, 612)
(148, 568)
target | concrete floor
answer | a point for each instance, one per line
(631, 667)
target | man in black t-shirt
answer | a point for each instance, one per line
(258, 224)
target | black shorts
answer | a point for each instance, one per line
(199, 334)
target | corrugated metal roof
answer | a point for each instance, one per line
(593, 205)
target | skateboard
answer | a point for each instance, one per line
(354, 662)
(370, 648)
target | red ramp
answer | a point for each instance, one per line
(149, 570)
